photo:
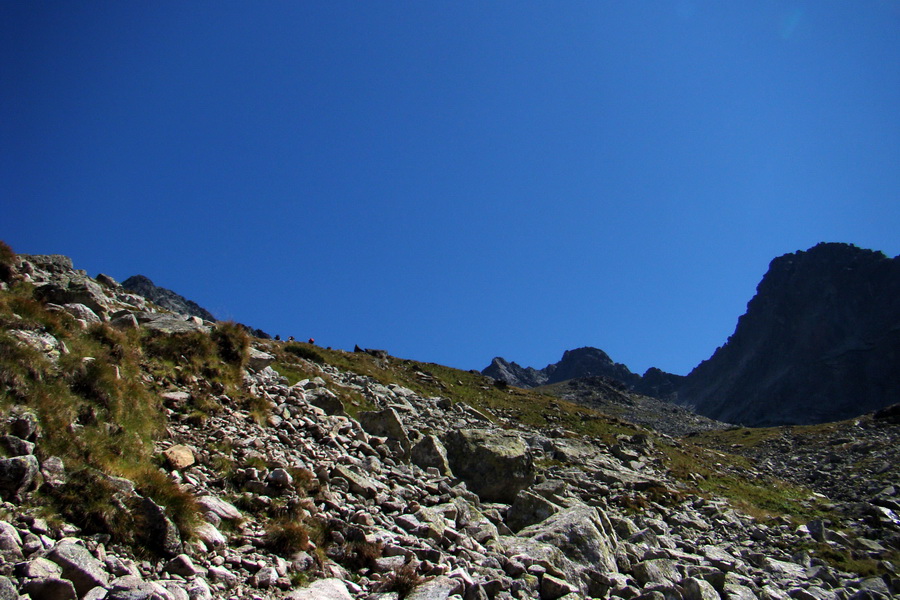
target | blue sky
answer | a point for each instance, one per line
(453, 181)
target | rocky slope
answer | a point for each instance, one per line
(330, 475)
(138, 284)
(612, 397)
(820, 342)
(582, 362)
(585, 363)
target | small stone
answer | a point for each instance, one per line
(265, 578)
(179, 457)
(182, 565)
(553, 588)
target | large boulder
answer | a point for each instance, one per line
(77, 290)
(386, 423)
(79, 566)
(529, 509)
(494, 464)
(430, 452)
(18, 475)
(579, 540)
(159, 533)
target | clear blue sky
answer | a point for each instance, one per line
(452, 181)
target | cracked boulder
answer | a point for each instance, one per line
(496, 465)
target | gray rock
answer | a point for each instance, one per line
(198, 589)
(125, 321)
(169, 324)
(25, 425)
(698, 589)
(265, 578)
(54, 472)
(279, 478)
(219, 507)
(437, 589)
(49, 588)
(7, 589)
(10, 544)
(78, 290)
(496, 465)
(553, 588)
(657, 570)
(358, 483)
(78, 566)
(224, 575)
(38, 567)
(18, 475)
(581, 545)
(386, 423)
(529, 509)
(159, 533)
(16, 446)
(210, 535)
(135, 588)
(259, 360)
(429, 452)
(734, 591)
(323, 589)
(327, 401)
(182, 565)
(82, 313)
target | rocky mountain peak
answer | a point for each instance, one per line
(820, 341)
(139, 284)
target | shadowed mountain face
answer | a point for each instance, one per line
(165, 298)
(820, 341)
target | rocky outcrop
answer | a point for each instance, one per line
(165, 298)
(613, 398)
(583, 362)
(820, 342)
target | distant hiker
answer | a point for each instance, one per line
(291, 339)
(312, 341)
(277, 338)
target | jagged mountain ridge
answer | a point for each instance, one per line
(166, 298)
(587, 362)
(820, 342)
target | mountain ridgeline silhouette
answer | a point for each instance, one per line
(820, 342)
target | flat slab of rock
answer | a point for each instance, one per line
(436, 589)
(323, 589)
(219, 507)
(79, 566)
(50, 588)
(259, 360)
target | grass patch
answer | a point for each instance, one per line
(305, 351)
(286, 537)
(718, 473)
